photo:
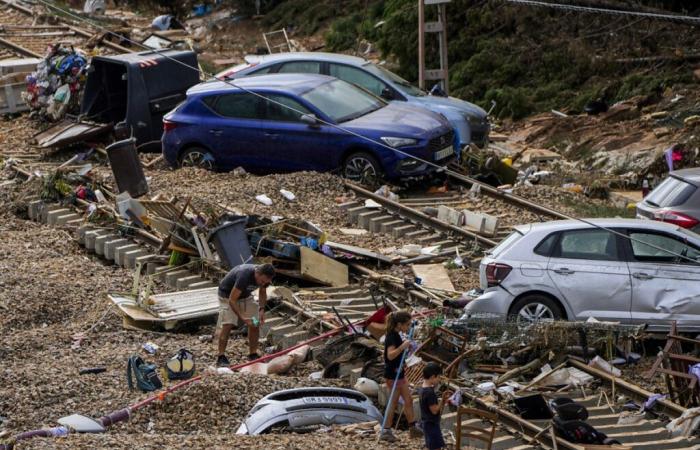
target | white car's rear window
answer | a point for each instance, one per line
(506, 243)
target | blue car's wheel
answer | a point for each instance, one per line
(362, 168)
(197, 157)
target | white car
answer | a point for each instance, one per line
(626, 270)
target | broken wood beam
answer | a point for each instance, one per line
(518, 371)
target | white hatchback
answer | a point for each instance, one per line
(626, 270)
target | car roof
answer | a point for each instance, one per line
(296, 83)
(314, 56)
(558, 225)
(692, 175)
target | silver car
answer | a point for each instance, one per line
(470, 122)
(676, 200)
(645, 272)
(303, 408)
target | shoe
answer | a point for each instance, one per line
(222, 361)
(415, 432)
(387, 436)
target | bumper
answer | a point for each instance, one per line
(480, 133)
(411, 168)
(495, 302)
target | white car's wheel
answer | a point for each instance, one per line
(536, 308)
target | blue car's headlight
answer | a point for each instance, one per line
(398, 141)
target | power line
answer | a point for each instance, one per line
(340, 128)
(590, 9)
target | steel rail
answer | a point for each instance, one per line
(422, 218)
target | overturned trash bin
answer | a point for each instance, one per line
(231, 242)
(126, 167)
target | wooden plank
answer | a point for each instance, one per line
(433, 276)
(323, 269)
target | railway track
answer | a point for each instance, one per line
(23, 33)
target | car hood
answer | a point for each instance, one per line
(437, 104)
(400, 119)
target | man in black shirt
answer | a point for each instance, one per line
(236, 305)
(430, 408)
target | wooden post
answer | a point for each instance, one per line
(442, 18)
(421, 44)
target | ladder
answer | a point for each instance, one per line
(281, 47)
(440, 28)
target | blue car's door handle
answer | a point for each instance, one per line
(271, 135)
(216, 132)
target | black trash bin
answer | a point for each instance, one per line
(126, 167)
(231, 242)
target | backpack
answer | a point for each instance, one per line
(569, 423)
(146, 374)
(181, 366)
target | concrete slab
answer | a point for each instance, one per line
(376, 222)
(110, 246)
(364, 218)
(356, 211)
(171, 277)
(183, 283)
(403, 230)
(92, 235)
(34, 208)
(46, 209)
(53, 215)
(386, 227)
(101, 240)
(202, 285)
(130, 257)
(64, 219)
(120, 251)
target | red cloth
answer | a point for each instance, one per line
(379, 316)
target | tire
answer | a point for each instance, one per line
(197, 157)
(535, 307)
(363, 168)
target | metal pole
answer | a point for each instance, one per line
(442, 18)
(421, 44)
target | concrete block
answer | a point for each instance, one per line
(429, 240)
(364, 218)
(414, 235)
(171, 277)
(130, 257)
(74, 223)
(376, 222)
(34, 209)
(202, 285)
(64, 219)
(482, 223)
(386, 227)
(354, 212)
(183, 283)
(121, 250)
(53, 215)
(80, 232)
(143, 260)
(46, 209)
(101, 240)
(450, 215)
(403, 230)
(110, 246)
(92, 235)
(347, 205)
(153, 267)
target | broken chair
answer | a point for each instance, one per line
(471, 431)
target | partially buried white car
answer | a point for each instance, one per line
(626, 270)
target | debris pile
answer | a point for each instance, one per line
(54, 89)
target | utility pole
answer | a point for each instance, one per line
(440, 28)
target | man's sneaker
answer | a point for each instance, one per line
(387, 436)
(222, 361)
(414, 431)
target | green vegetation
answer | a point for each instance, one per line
(584, 208)
(525, 59)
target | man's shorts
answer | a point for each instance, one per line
(247, 306)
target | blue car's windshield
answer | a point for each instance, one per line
(342, 101)
(381, 72)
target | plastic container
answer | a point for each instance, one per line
(231, 242)
(126, 167)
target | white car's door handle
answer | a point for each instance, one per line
(563, 271)
(642, 276)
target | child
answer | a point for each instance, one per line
(394, 346)
(430, 408)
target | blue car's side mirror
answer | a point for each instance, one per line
(310, 120)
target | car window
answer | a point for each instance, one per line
(240, 106)
(301, 67)
(281, 113)
(671, 192)
(357, 77)
(387, 74)
(506, 243)
(587, 244)
(661, 248)
(342, 101)
(545, 247)
(263, 70)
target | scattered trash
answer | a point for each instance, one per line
(288, 195)
(600, 363)
(367, 387)
(369, 203)
(150, 348)
(385, 191)
(92, 370)
(264, 199)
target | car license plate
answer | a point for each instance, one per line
(335, 400)
(444, 153)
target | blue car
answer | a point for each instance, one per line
(470, 122)
(293, 122)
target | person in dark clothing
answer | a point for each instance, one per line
(237, 306)
(431, 408)
(394, 346)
